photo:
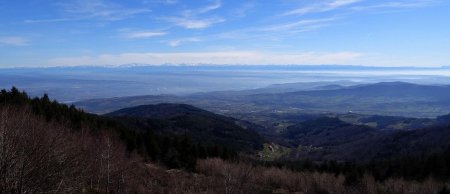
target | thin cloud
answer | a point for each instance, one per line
(301, 25)
(321, 7)
(143, 34)
(196, 19)
(202, 10)
(13, 41)
(170, 2)
(346, 7)
(244, 9)
(178, 42)
(396, 4)
(92, 9)
(339, 3)
(219, 58)
(52, 20)
(213, 6)
(189, 23)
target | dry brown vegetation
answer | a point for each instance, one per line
(246, 178)
(218, 176)
(45, 157)
(38, 156)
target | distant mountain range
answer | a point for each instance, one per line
(385, 98)
(91, 82)
(386, 89)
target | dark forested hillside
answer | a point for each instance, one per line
(332, 139)
(182, 119)
(326, 131)
(164, 110)
(170, 149)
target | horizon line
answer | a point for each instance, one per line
(133, 65)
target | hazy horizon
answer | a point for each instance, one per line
(89, 82)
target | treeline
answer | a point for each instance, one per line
(39, 156)
(419, 167)
(414, 168)
(174, 151)
(243, 177)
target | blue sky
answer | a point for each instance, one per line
(307, 32)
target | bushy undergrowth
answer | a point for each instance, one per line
(246, 178)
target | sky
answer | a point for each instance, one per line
(227, 32)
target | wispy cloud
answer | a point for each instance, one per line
(213, 6)
(396, 4)
(243, 10)
(196, 18)
(31, 21)
(321, 7)
(190, 23)
(339, 3)
(143, 34)
(178, 42)
(170, 1)
(202, 10)
(345, 8)
(160, 1)
(300, 26)
(102, 10)
(230, 58)
(13, 41)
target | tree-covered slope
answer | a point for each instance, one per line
(179, 151)
(183, 119)
(332, 139)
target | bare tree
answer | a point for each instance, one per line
(34, 155)
(38, 156)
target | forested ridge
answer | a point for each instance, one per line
(177, 151)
